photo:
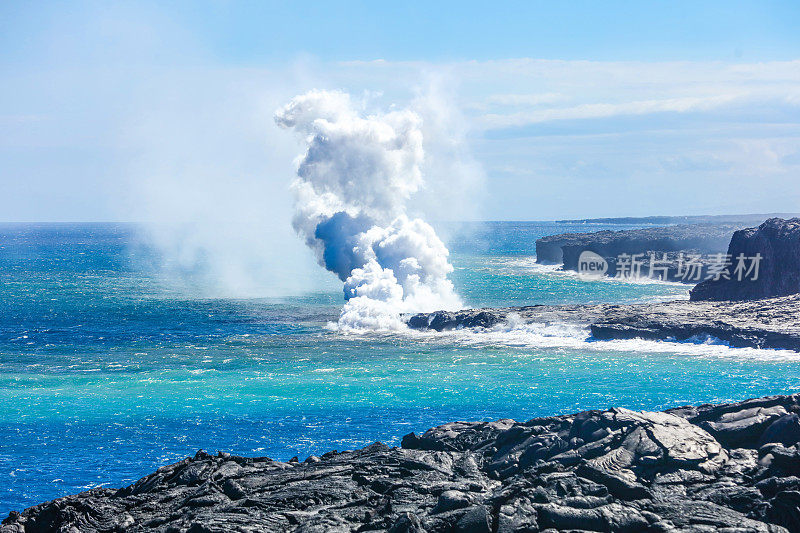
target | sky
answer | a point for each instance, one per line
(162, 111)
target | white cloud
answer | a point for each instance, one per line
(199, 122)
(541, 91)
(524, 99)
(605, 110)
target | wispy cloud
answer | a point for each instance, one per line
(536, 91)
(557, 138)
(605, 110)
(525, 99)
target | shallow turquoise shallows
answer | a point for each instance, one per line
(107, 372)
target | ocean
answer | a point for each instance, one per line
(109, 370)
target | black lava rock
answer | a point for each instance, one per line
(768, 323)
(777, 243)
(689, 469)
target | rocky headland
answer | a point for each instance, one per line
(776, 244)
(701, 239)
(757, 306)
(726, 263)
(730, 467)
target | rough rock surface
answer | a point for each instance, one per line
(769, 323)
(778, 243)
(700, 238)
(731, 467)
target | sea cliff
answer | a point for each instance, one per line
(776, 245)
(698, 238)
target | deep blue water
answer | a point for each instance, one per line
(108, 371)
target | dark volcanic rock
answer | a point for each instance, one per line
(769, 323)
(772, 323)
(692, 469)
(700, 238)
(445, 320)
(744, 424)
(777, 243)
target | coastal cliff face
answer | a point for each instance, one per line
(731, 467)
(567, 247)
(777, 243)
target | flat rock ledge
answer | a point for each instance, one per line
(772, 323)
(730, 467)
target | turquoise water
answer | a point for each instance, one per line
(107, 371)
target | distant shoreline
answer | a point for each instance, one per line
(686, 219)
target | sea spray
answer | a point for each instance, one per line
(351, 192)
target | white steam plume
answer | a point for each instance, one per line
(351, 190)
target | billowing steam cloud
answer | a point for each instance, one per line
(351, 191)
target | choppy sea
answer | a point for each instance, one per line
(108, 371)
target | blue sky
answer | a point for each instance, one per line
(152, 110)
(252, 33)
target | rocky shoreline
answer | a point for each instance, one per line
(664, 220)
(769, 323)
(729, 467)
(756, 307)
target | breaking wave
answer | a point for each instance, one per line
(526, 336)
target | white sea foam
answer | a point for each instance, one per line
(576, 337)
(531, 337)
